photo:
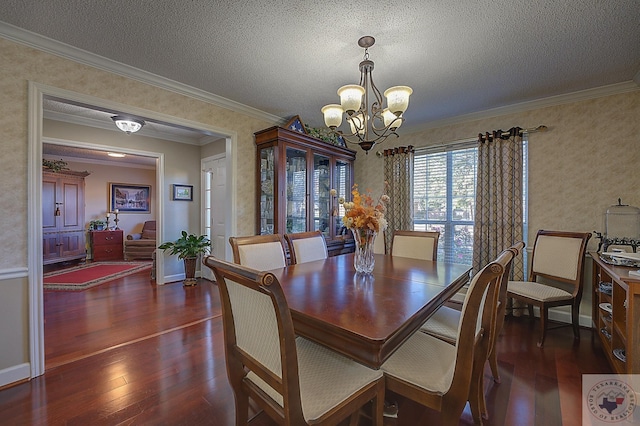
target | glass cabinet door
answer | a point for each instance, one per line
(296, 190)
(342, 179)
(267, 202)
(320, 187)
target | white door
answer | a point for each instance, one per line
(214, 184)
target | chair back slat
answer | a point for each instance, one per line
(306, 246)
(259, 252)
(415, 244)
(256, 325)
(557, 256)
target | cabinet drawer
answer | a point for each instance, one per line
(111, 252)
(101, 238)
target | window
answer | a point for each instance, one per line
(444, 189)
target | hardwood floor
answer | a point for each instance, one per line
(130, 352)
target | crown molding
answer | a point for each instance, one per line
(597, 92)
(45, 44)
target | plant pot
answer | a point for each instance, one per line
(190, 271)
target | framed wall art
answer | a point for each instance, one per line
(182, 192)
(127, 198)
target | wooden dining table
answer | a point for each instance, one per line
(367, 317)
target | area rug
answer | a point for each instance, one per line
(90, 275)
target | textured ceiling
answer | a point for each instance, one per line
(289, 57)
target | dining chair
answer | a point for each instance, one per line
(294, 380)
(415, 244)
(379, 244)
(260, 252)
(438, 374)
(444, 323)
(306, 246)
(556, 262)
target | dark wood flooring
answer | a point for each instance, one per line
(130, 352)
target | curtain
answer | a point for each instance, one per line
(499, 215)
(398, 175)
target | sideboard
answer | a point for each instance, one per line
(616, 314)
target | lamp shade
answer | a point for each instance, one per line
(351, 97)
(391, 118)
(398, 98)
(332, 115)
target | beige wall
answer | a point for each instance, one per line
(19, 65)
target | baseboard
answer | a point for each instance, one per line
(173, 278)
(563, 316)
(14, 374)
(179, 277)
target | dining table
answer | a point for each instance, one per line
(366, 317)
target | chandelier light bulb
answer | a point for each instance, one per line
(351, 97)
(332, 115)
(391, 120)
(398, 99)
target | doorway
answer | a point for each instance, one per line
(37, 94)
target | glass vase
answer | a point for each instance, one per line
(364, 259)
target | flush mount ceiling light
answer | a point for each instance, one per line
(116, 154)
(126, 124)
(370, 124)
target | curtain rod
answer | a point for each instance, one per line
(453, 144)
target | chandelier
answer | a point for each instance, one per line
(369, 123)
(126, 124)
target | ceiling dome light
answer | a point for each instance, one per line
(116, 154)
(126, 124)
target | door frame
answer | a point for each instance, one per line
(36, 94)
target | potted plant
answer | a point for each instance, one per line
(97, 225)
(188, 247)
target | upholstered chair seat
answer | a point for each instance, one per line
(537, 291)
(326, 379)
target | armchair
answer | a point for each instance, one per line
(141, 245)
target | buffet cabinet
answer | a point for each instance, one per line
(295, 175)
(616, 314)
(106, 245)
(63, 230)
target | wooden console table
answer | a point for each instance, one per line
(106, 245)
(619, 329)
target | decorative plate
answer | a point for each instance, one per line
(620, 354)
(606, 307)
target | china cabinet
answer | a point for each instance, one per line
(616, 314)
(295, 175)
(63, 233)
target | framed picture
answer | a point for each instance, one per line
(128, 198)
(182, 192)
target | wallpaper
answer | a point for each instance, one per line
(20, 64)
(587, 159)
